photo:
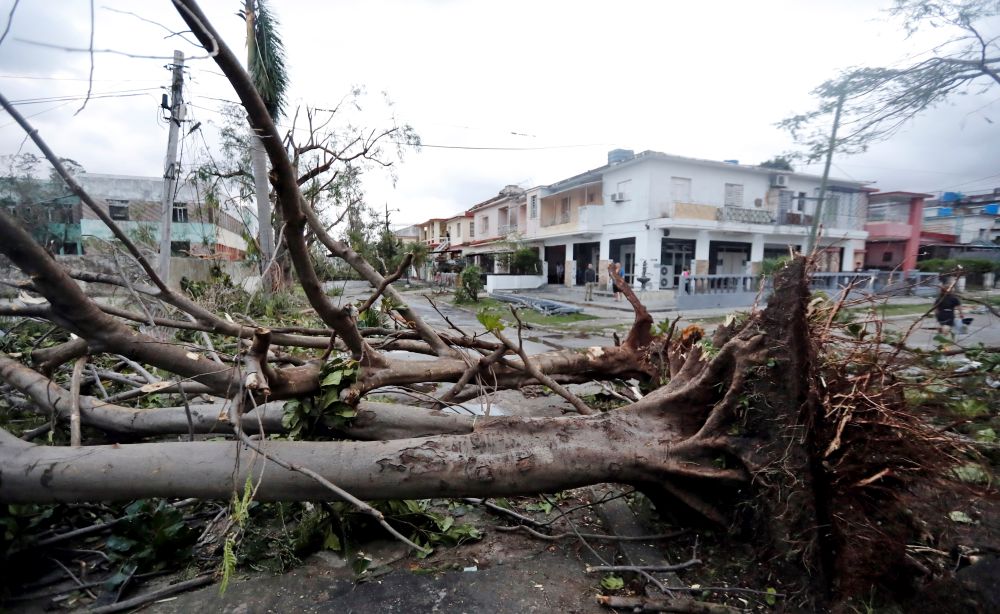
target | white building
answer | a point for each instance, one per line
(667, 213)
(973, 218)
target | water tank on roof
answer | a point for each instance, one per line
(950, 197)
(620, 155)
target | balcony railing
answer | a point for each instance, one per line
(793, 218)
(559, 218)
(744, 215)
(507, 229)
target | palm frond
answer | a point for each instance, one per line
(266, 60)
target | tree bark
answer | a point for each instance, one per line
(265, 235)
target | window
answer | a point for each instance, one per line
(734, 195)
(534, 206)
(180, 213)
(886, 256)
(458, 230)
(564, 210)
(118, 212)
(800, 203)
(472, 229)
(180, 248)
(680, 189)
(485, 224)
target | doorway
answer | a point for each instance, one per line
(555, 255)
(584, 254)
(623, 251)
(728, 258)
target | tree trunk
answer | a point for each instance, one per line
(265, 235)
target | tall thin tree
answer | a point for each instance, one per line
(266, 65)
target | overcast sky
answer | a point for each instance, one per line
(571, 79)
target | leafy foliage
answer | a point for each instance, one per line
(878, 101)
(307, 418)
(778, 163)
(472, 285)
(153, 535)
(266, 55)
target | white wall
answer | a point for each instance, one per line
(502, 283)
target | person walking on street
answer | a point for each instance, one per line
(590, 278)
(944, 309)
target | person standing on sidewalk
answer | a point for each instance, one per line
(614, 286)
(590, 278)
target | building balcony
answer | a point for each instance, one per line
(881, 231)
(744, 215)
(583, 219)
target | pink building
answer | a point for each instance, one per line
(894, 225)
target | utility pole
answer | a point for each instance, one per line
(811, 244)
(171, 172)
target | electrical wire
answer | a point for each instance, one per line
(117, 94)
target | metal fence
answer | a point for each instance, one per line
(725, 291)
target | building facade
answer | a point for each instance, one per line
(658, 214)
(895, 223)
(197, 228)
(971, 218)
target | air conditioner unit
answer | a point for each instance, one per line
(618, 197)
(779, 181)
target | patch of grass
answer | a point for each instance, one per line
(529, 316)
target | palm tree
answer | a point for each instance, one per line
(266, 64)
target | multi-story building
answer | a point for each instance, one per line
(658, 214)
(58, 219)
(197, 228)
(971, 218)
(894, 227)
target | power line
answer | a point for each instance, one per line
(472, 148)
(40, 78)
(114, 94)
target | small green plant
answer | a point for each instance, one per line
(612, 582)
(490, 318)
(472, 285)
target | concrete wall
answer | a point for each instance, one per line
(198, 269)
(503, 283)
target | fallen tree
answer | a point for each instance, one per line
(772, 426)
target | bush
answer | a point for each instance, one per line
(472, 284)
(525, 261)
(970, 266)
(773, 265)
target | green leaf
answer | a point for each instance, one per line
(971, 473)
(119, 543)
(331, 541)
(612, 582)
(771, 598)
(446, 523)
(332, 379)
(361, 564)
(962, 517)
(986, 435)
